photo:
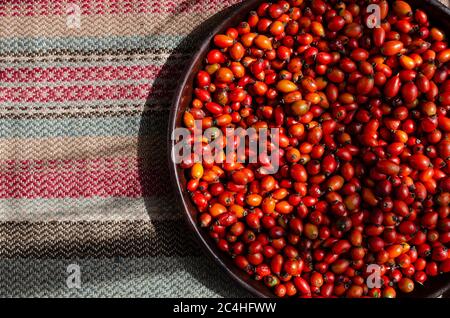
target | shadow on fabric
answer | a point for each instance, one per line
(154, 174)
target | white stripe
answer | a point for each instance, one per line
(77, 106)
(64, 60)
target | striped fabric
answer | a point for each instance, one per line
(83, 171)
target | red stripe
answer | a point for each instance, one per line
(94, 73)
(91, 7)
(80, 178)
(81, 93)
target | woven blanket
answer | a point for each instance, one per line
(86, 204)
(85, 88)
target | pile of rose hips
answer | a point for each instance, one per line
(364, 147)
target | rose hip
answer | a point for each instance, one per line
(364, 150)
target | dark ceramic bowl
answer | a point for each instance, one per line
(434, 287)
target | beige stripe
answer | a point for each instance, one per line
(70, 148)
(76, 107)
(89, 209)
(102, 25)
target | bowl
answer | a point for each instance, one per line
(434, 287)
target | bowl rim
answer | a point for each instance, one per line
(175, 178)
(211, 250)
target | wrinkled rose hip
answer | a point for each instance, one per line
(364, 147)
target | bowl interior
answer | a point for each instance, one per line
(440, 16)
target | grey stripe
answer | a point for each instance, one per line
(119, 277)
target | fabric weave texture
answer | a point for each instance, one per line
(85, 92)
